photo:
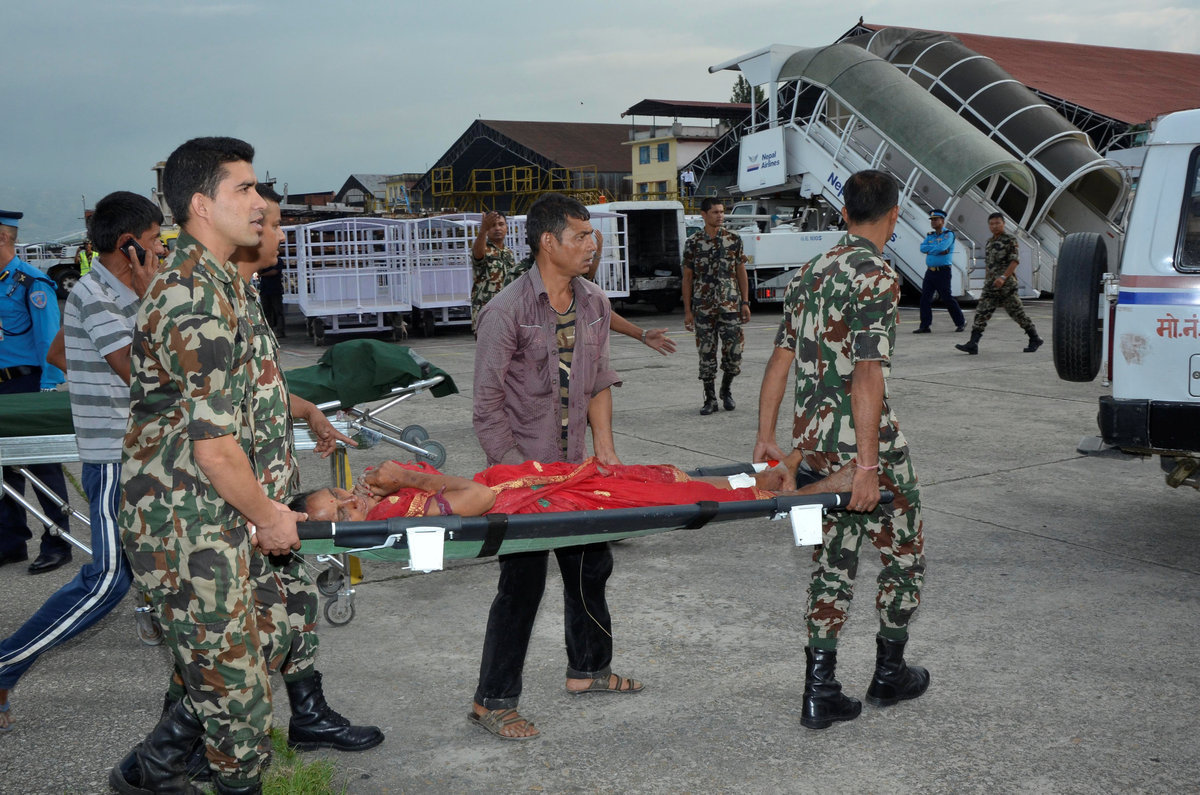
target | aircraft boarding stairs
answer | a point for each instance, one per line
(839, 109)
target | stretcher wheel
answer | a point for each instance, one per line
(149, 631)
(414, 434)
(435, 453)
(339, 611)
(318, 331)
(330, 581)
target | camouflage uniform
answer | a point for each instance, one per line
(490, 275)
(840, 309)
(203, 368)
(999, 252)
(716, 300)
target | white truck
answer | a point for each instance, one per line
(653, 235)
(1142, 323)
(56, 259)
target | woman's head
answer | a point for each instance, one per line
(332, 505)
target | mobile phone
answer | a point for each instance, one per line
(141, 252)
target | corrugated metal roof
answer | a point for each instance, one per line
(689, 110)
(571, 143)
(1130, 85)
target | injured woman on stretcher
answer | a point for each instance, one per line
(395, 490)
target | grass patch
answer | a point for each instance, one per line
(289, 774)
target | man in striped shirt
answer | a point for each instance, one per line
(93, 347)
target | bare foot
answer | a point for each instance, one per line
(504, 722)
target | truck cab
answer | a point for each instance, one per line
(1141, 324)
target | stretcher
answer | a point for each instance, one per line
(36, 428)
(463, 537)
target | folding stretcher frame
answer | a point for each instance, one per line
(336, 581)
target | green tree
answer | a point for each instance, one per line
(741, 92)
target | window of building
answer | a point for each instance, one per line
(643, 187)
(661, 188)
(664, 152)
(644, 154)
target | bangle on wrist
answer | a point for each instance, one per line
(872, 468)
(644, 332)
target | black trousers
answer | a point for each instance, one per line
(588, 629)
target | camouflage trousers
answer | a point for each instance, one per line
(229, 616)
(896, 532)
(722, 329)
(1005, 298)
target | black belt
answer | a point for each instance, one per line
(936, 267)
(9, 373)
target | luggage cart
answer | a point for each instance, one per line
(352, 277)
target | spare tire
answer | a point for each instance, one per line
(1078, 277)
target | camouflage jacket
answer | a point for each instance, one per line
(840, 309)
(490, 275)
(714, 262)
(201, 369)
(999, 251)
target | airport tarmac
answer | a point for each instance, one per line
(1059, 620)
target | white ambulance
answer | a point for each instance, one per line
(1142, 323)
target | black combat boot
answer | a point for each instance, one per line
(824, 701)
(197, 762)
(726, 395)
(894, 680)
(971, 346)
(1035, 341)
(158, 763)
(710, 399)
(240, 788)
(315, 725)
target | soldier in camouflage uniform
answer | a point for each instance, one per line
(716, 301)
(493, 264)
(206, 465)
(838, 329)
(1000, 288)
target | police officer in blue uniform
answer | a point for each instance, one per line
(938, 247)
(28, 323)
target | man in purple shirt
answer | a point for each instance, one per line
(542, 376)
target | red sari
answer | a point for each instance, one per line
(533, 487)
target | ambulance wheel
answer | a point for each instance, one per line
(318, 331)
(435, 453)
(414, 434)
(1078, 279)
(339, 611)
(330, 581)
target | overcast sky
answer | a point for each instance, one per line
(97, 92)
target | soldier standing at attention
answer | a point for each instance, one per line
(938, 248)
(28, 324)
(1000, 288)
(716, 301)
(839, 329)
(197, 476)
(493, 264)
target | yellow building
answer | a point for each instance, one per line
(660, 153)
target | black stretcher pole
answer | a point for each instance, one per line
(493, 529)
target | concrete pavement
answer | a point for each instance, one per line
(1059, 620)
